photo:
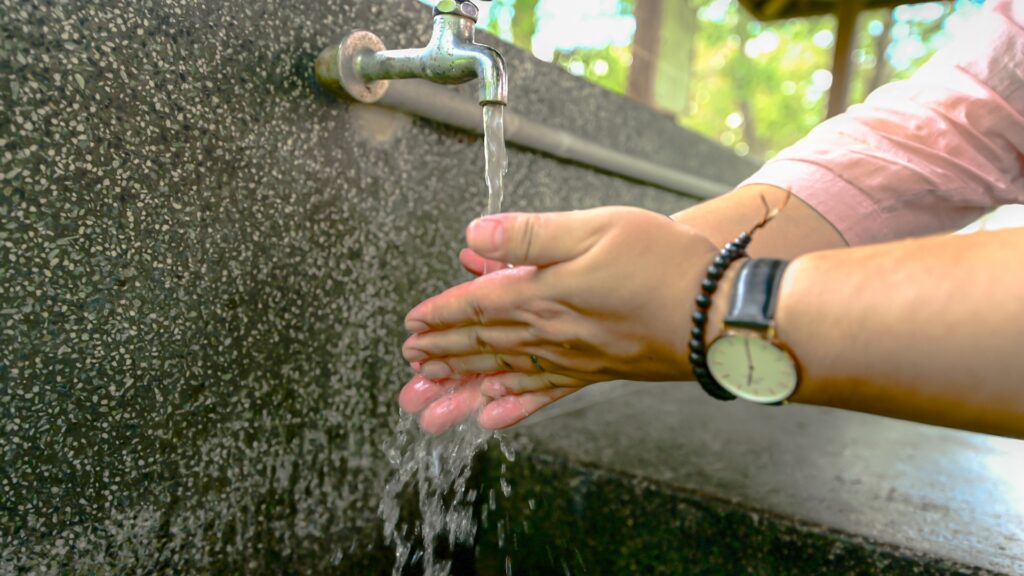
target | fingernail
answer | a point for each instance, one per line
(413, 355)
(493, 389)
(435, 370)
(419, 383)
(495, 417)
(416, 326)
(486, 234)
(443, 406)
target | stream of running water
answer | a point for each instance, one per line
(495, 156)
(431, 473)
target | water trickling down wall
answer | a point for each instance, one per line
(204, 264)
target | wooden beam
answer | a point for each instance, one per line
(842, 62)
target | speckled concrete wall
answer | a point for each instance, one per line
(203, 267)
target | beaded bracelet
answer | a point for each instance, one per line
(732, 252)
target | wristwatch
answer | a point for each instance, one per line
(748, 360)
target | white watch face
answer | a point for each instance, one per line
(752, 368)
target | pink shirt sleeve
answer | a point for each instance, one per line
(924, 155)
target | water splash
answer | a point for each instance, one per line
(431, 473)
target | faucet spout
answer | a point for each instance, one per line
(361, 67)
(490, 69)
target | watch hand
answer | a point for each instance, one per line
(750, 363)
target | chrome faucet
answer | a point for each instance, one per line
(361, 67)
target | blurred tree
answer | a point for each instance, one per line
(524, 23)
(880, 46)
(646, 41)
(663, 54)
(757, 87)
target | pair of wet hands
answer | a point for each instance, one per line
(441, 396)
(593, 295)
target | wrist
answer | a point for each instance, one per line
(709, 287)
(720, 301)
(715, 313)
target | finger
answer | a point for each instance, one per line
(465, 341)
(420, 392)
(509, 410)
(539, 239)
(499, 385)
(488, 300)
(451, 409)
(440, 369)
(464, 367)
(477, 264)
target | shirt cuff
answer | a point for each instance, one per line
(852, 212)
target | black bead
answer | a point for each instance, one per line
(710, 386)
(721, 261)
(731, 253)
(700, 372)
(699, 318)
(697, 360)
(696, 345)
(744, 240)
(703, 302)
(715, 272)
(709, 285)
(697, 332)
(719, 393)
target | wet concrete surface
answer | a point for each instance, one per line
(692, 485)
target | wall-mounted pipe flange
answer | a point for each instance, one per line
(336, 67)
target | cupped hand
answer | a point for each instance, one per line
(594, 295)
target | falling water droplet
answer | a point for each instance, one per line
(506, 449)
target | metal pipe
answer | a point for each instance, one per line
(359, 66)
(440, 104)
(450, 57)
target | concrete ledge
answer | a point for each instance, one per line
(665, 481)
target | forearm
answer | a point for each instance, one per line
(797, 230)
(928, 330)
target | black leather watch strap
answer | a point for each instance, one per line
(755, 294)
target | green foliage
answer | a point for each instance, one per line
(607, 67)
(756, 100)
(524, 22)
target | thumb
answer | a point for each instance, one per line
(534, 239)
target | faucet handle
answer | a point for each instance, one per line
(464, 8)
